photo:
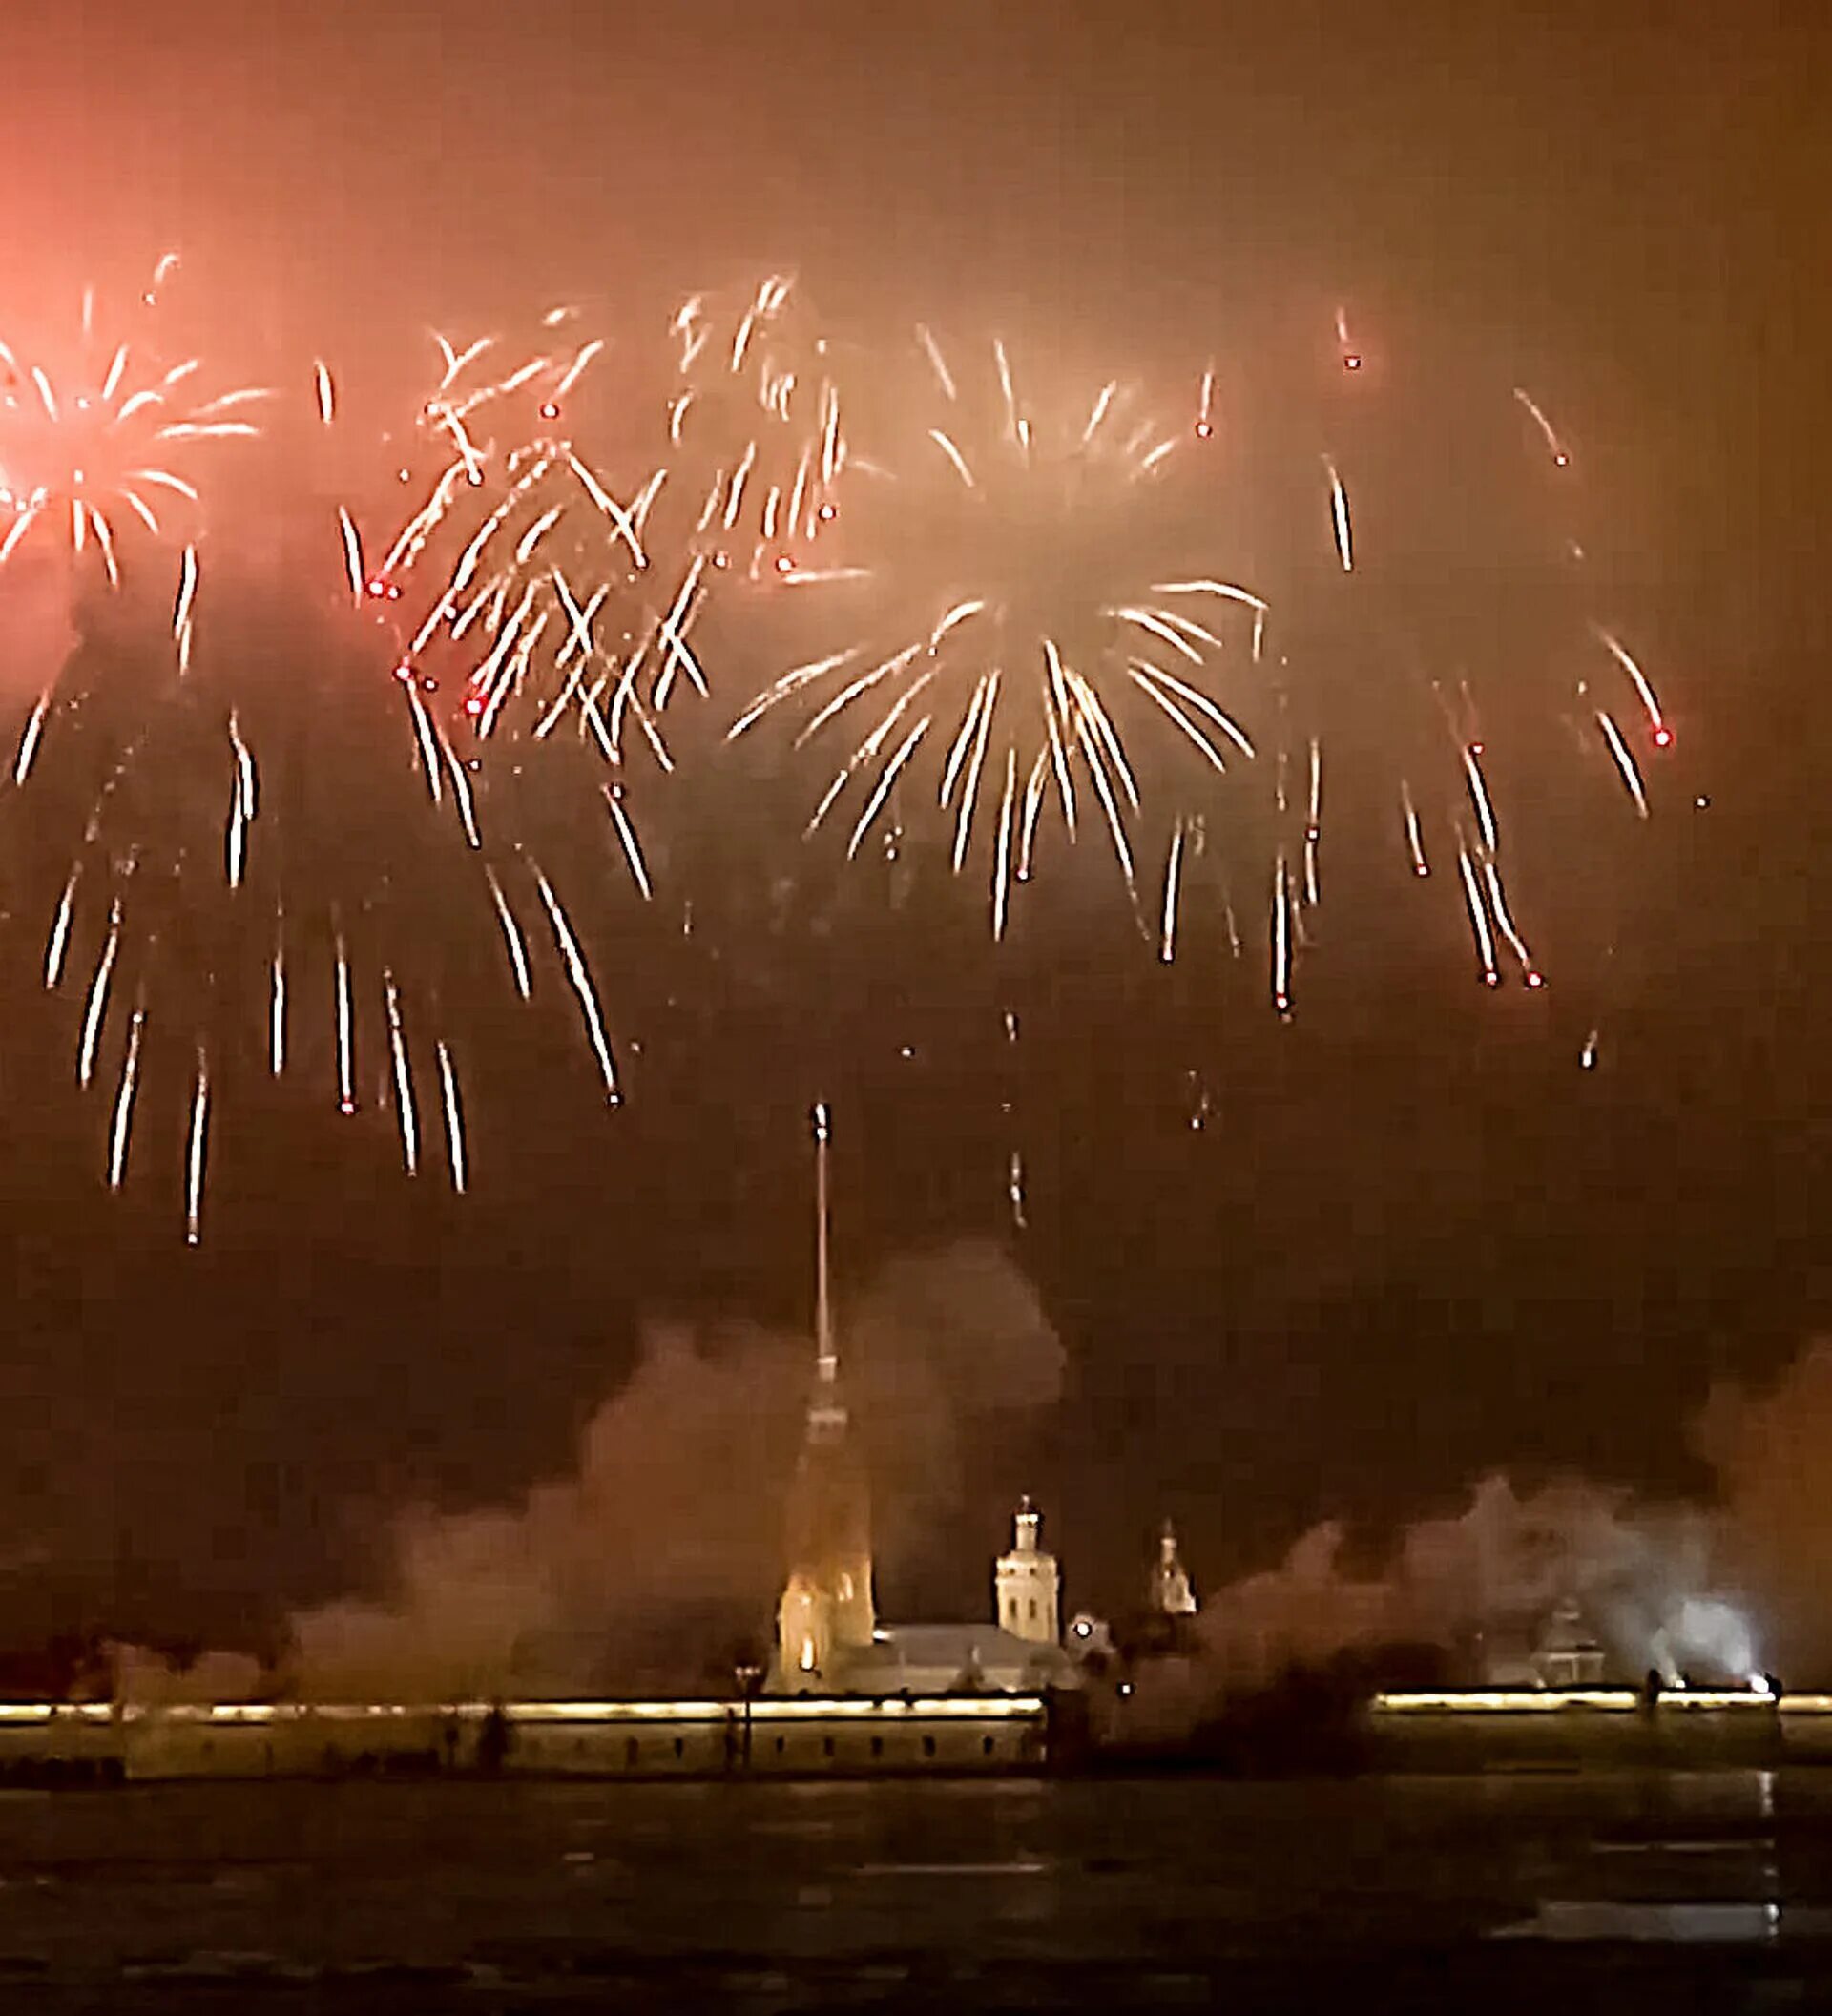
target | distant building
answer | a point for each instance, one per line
(1170, 1594)
(829, 1638)
(1560, 1651)
(1027, 1585)
(1567, 1653)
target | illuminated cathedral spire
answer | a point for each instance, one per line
(1170, 1590)
(827, 1608)
(826, 1358)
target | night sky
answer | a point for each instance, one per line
(1412, 1239)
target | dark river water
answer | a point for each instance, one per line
(1668, 1891)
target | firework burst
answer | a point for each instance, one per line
(1033, 599)
(99, 444)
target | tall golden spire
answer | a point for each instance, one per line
(826, 1357)
(827, 1610)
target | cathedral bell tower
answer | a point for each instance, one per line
(1026, 1584)
(827, 1610)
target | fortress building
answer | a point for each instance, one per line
(828, 1640)
(1171, 1594)
(1026, 1584)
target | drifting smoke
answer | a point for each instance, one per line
(1773, 1454)
(1482, 1586)
(659, 1561)
(1717, 1591)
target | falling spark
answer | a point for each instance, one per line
(1173, 877)
(276, 1016)
(1339, 516)
(1414, 839)
(1314, 825)
(345, 1062)
(194, 1162)
(627, 834)
(454, 1120)
(29, 740)
(1479, 795)
(1660, 733)
(1014, 1190)
(1624, 761)
(98, 999)
(1281, 938)
(124, 1101)
(1505, 922)
(1205, 406)
(59, 942)
(581, 978)
(352, 553)
(1478, 919)
(409, 1118)
(512, 935)
(1554, 446)
(1587, 1056)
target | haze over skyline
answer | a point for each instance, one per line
(1412, 1240)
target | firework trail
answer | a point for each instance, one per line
(247, 870)
(1442, 702)
(757, 443)
(1019, 612)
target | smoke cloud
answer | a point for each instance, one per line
(1717, 1591)
(657, 1562)
(1771, 1452)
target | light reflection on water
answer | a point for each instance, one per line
(1676, 1924)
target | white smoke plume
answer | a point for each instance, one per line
(661, 1553)
(1719, 1591)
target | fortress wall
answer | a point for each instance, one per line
(789, 1737)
